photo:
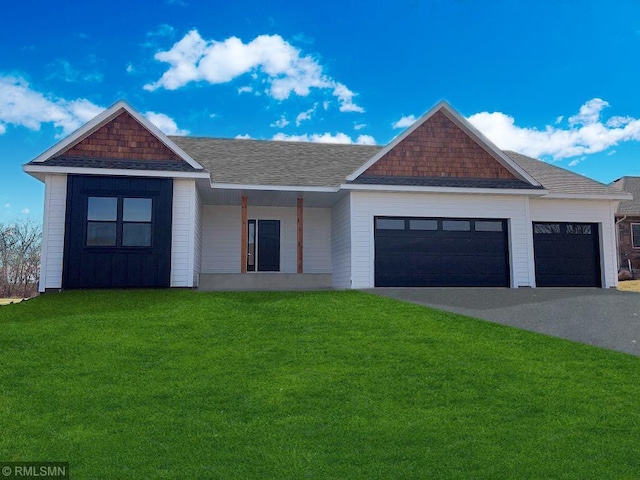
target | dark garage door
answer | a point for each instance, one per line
(567, 254)
(441, 252)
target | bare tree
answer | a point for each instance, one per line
(19, 258)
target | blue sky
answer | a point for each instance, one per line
(557, 80)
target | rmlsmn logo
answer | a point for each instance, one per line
(39, 470)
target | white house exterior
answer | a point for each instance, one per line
(127, 206)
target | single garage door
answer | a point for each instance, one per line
(567, 254)
(441, 252)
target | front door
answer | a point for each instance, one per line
(268, 245)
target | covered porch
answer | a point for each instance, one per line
(279, 238)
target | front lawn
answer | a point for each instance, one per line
(320, 385)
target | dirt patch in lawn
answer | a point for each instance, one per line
(629, 286)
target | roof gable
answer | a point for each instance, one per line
(119, 133)
(122, 138)
(630, 185)
(442, 144)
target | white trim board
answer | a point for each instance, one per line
(44, 169)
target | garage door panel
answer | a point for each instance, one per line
(412, 265)
(567, 254)
(453, 255)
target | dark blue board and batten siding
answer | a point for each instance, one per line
(117, 266)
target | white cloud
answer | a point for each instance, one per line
(612, 152)
(246, 136)
(365, 140)
(586, 133)
(345, 97)
(23, 106)
(404, 122)
(285, 69)
(339, 138)
(130, 68)
(283, 122)
(306, 115)
(163, 30)
(63, 70)
(575, 162)
(25, 211)
(7, 205)
(619, 121)
(165, 123)
(245, 90)
(589, 112)
(359, 126)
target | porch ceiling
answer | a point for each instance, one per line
(268, 198)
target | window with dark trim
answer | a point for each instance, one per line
(119, 222)
(635, 235)
(456, 225)
(546, 228)
(390, 223)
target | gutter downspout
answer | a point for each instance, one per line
(618, 240)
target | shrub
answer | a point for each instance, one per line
(624, 275)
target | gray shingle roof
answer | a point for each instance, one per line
(302, 164)
(261, 162)
(631, 185)
(560, 181)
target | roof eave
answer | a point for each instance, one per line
(533, 192)
(275, 188)
(38, 171)
(578, 196)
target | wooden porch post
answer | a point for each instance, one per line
(300, 235)
(243, 237)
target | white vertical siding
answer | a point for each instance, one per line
(183, 233)
(341, 243)
(531, 269)
(316, 240)
(221, 227)
(588, 211)
(366, 205)
(55, 205)
(197, 258)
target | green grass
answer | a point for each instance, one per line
(319, 385)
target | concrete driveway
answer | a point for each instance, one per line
(605, 318)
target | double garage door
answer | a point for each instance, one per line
(441, 252)
(455, 252)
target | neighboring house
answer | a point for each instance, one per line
(628, 224)
(127, 206)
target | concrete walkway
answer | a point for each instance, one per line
(605, 318)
